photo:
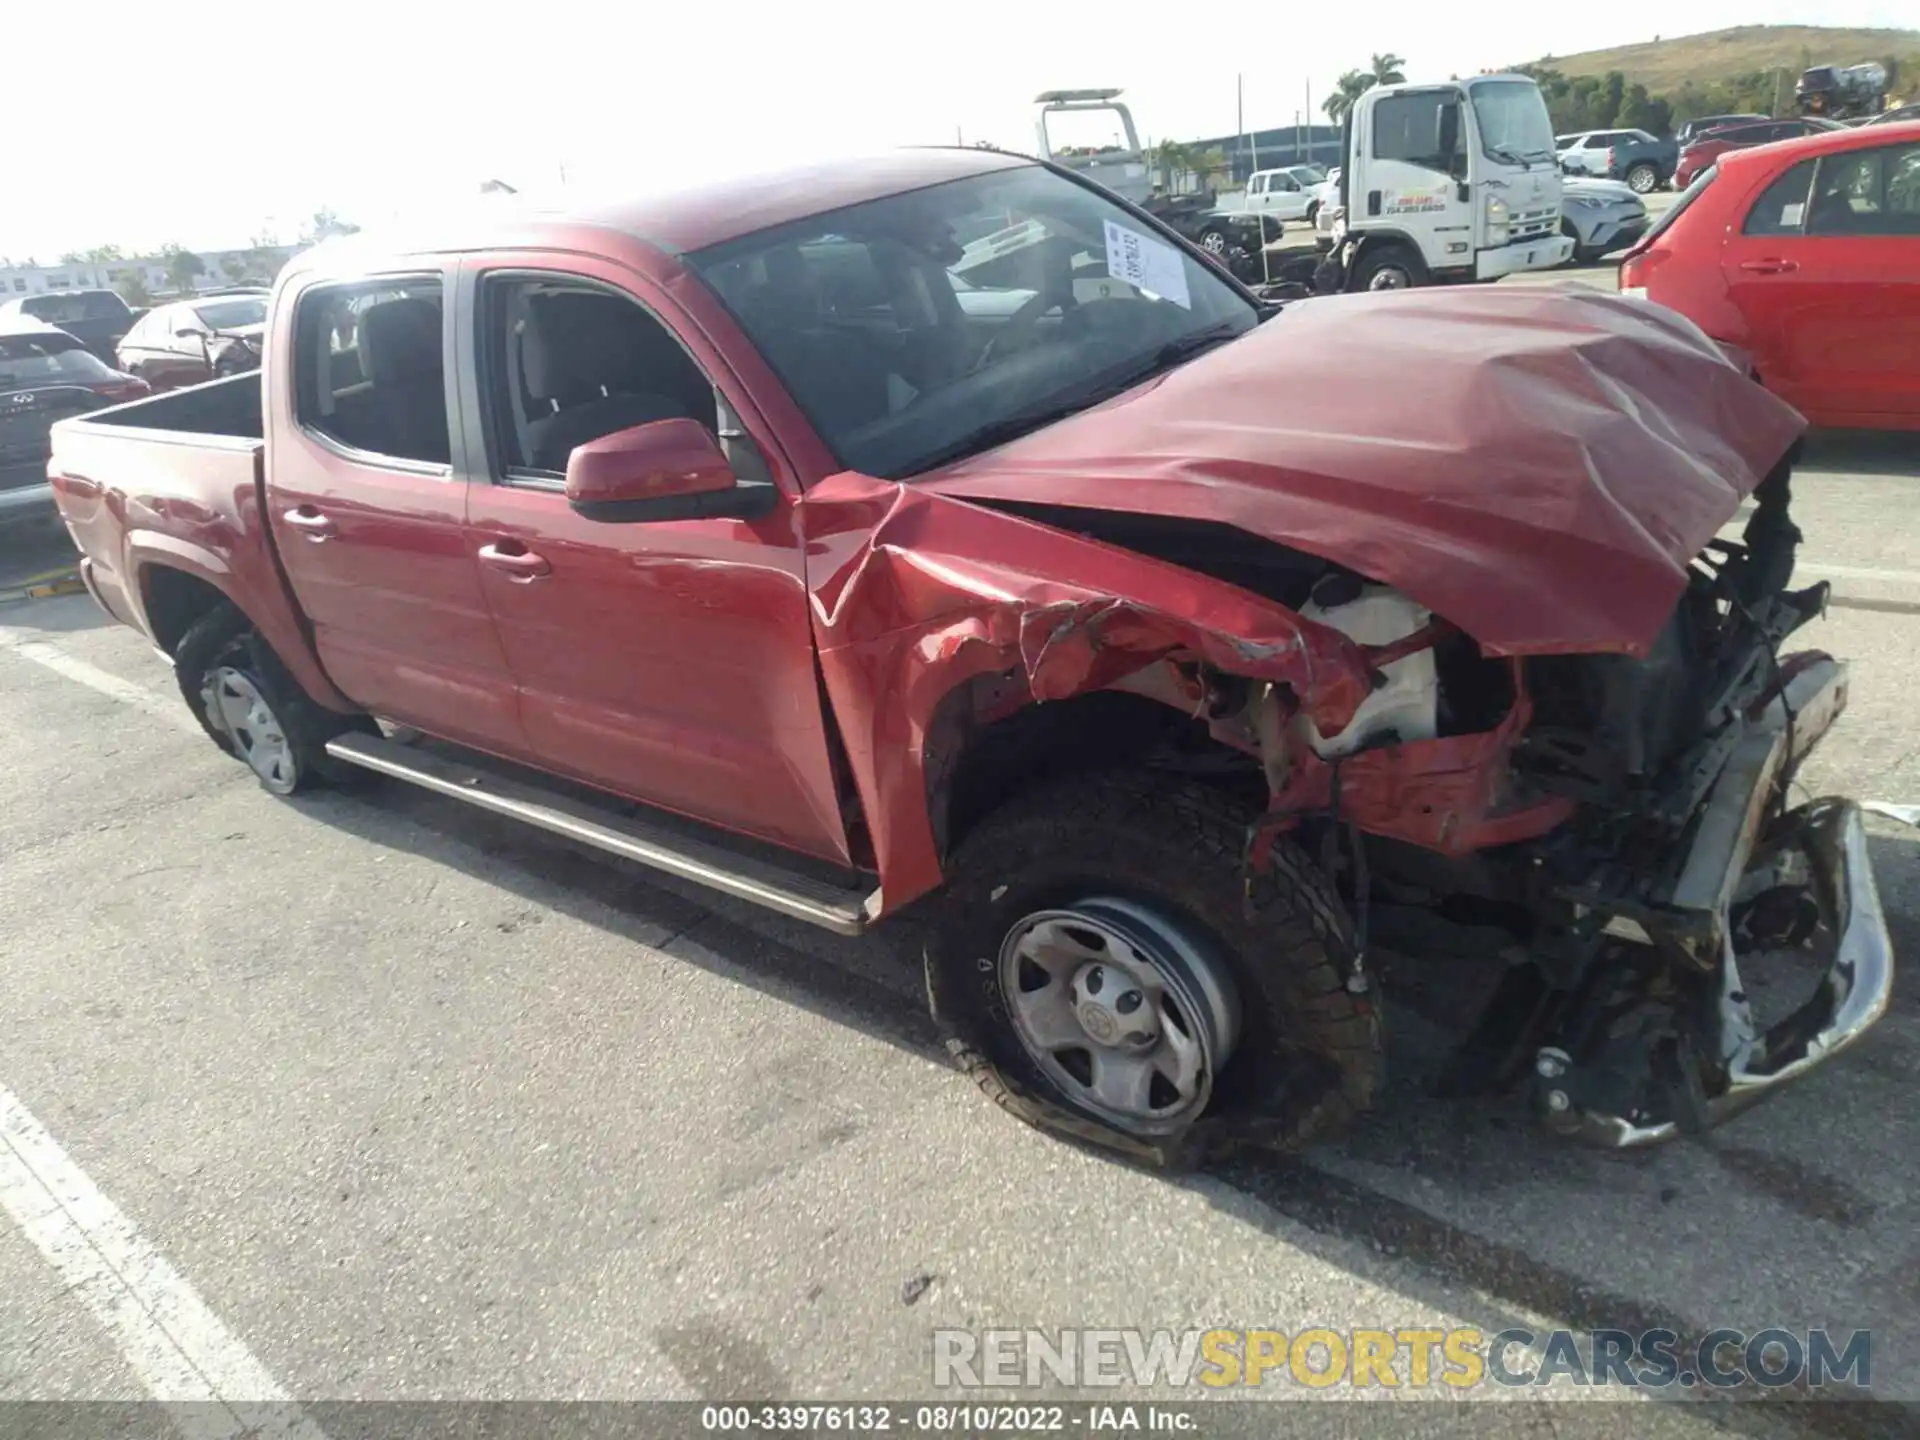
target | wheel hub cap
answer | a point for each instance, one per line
(235, 704)
(1126, 1014)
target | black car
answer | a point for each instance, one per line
(46, 375)
(96, 318)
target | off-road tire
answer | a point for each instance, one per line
(1311, 1051)
(224, 636)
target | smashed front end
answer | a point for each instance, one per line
(1686, 886)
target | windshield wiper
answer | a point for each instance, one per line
(1510, 157)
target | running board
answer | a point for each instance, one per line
(846, 912)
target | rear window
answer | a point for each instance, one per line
(1680, 207)
(231, 314)
(39, 359)
(1782, 207)
(82, 305)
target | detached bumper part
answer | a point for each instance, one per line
(1824, 840)
(1852, 995)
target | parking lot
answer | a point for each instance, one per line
(398, 1101)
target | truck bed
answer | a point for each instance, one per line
(179, 472)
(231, 409)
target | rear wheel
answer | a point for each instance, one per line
(1102, 970)
(1643, 179)
(251, 707)
(1214, 241)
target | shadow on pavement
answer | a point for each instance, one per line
(1865, 452)
(1466, 1150)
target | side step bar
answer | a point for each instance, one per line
(846, 912)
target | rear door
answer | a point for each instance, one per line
(370, 514)
(1826, 270)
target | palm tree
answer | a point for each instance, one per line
(1348, 88)
(1381, 70)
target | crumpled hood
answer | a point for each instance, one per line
(1539, 466)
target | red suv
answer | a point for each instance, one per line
(1712, 144)
(1807, 256)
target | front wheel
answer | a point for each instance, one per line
(1388, 267)
(1102, 970)
(1643, 179)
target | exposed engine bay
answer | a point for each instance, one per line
(1651, 849)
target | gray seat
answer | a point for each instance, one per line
(603, 365)
(405, 411)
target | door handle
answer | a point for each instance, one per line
(304, 517)
(1769, 266)
(521, 564)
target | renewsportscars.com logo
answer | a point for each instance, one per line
(1458, 1359)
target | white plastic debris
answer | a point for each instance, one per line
(1905, 814)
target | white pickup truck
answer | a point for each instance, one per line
(1291, 193)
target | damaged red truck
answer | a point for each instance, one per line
(935, 530)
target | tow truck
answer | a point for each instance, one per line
(1441, 184)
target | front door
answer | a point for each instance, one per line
(1826, 271)
(369, 513)
(1414, 157)
(668, 661)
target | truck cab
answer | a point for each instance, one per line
(1446, 183)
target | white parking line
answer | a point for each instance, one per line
(167, 707)
(174, 1343)
(1855, 572)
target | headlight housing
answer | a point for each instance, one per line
(1498, 217)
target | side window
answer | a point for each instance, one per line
(370, 369)
(1407, 127)
(1594, 142)
(565, 361)
(1867, 192)
(1782, 206)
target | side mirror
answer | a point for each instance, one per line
(663, 470)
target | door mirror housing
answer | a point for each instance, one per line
(1451, 151)
(663, 470)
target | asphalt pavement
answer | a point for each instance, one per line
(367, 1096)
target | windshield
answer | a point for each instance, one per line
(1513, 121)
(908, 349)
(231, 314)
(42, 359)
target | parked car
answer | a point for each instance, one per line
(1709, 147)
(1693, 129)
(1602, 216)
(96, 318)
(207, 338)
(1896, 116)
(1805, 256)
(1641, 160)
(1146, 640)
(46, 374)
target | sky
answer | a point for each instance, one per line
(214, 122)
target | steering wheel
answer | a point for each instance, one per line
(1016, 331)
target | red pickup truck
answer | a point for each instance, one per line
(938, 530)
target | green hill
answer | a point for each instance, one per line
(1665, 64)
(1656, 85)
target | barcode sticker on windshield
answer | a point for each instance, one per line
(1146, 263)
